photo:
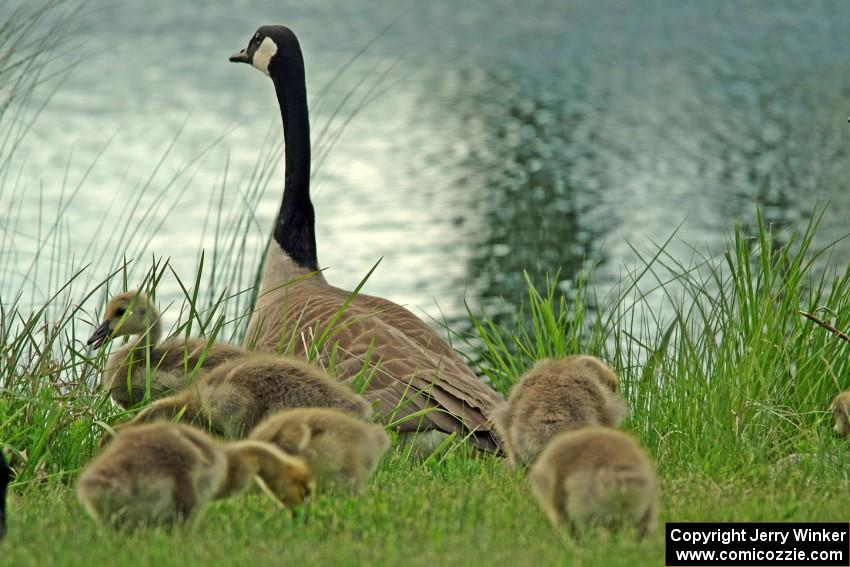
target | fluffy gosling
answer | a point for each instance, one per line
(588, 365)
(340, 449)
(165, 472)
(234, 397)
(840, 408)
(133, 313)
(554, 396)
(4, 482)
(596, 476)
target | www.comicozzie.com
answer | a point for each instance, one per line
(763, 544)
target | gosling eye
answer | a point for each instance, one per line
(120, 311)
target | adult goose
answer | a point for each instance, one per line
(414, 368)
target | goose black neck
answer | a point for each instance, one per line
(294, 229)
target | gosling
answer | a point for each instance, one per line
(596, 476)
(340, 449)
(4, 482)
(234, 397)
(840, 407)
(164, 473)
(172, 362)
(557, 395)
(591, 366)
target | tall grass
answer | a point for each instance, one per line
(719, 369)
(721, 373)
(51, 408)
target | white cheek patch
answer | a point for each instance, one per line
(263, 55)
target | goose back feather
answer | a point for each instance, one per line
(412, 367)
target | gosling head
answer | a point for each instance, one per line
(274, 50)
(592, 366)
(128, 313)
(840, 407)
(291, 481)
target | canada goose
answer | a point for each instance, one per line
(133, 313)
(417, 369)
(840, 407)
(339, 449)
(596, 475)
(557, 395)
(165, 472)
(233, 397)
(4, 482)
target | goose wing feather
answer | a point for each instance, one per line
(411, 362)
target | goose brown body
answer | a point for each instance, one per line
(174, 363)
(416, 368)
(596, 476)
(232, 398)
(554, 396)
(339, 449)
(165, 472)
(411, 366)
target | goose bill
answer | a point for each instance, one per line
(99, 336)
(241, 57)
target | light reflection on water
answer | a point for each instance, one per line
(505, 137)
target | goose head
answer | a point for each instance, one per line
(271, 50)
(128, 313)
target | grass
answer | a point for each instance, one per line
(723, 377)
(464, 511)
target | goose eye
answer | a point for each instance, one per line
(120, 311)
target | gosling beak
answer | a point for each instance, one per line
(99, 336)
(241, 57)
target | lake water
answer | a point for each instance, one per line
(471, 140)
